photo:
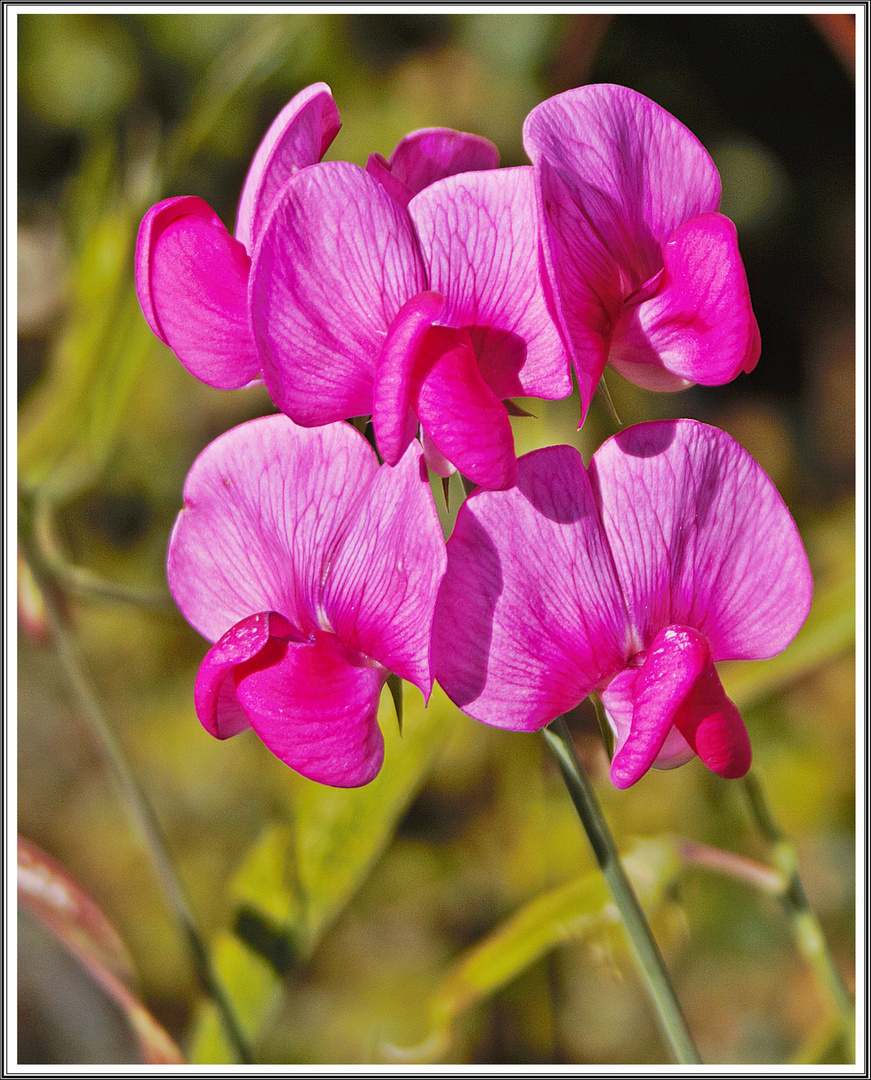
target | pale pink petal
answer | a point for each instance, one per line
(462, 416)
(380, 594)
(315, 706)
(434, 458)
(335, 262)
(674, 662)
(479, 235)
(431, 154)
(264, 507)
(298, 136)
(700, 537)
(699, 325)
(530, 616)
(192, 284)
(393, 417)
(215, 697)
(618, 700)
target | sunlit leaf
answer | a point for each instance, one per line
(571, 912)
(70, 423)
(340, 833)
(298, 878)
(253, 987)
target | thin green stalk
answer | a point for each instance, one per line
(806, 927)
(644, 947)
(140, 808)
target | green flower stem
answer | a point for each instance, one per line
(646, 951)
(806, 927)
(138, 805)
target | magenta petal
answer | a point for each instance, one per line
(153, 224)
(618, 175)
(335, 262)
(264, 507)
(479, 234)
(298, 136)
(381, 591)
(699, 325)
(700, 537)
(215, 697)
(467, 423)
(530, 617)
(713, 727)
(431, 154)
(393, 417)
(315, 706)
(677, 657)
(192, 283)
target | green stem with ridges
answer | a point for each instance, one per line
(806, 928)
(645, 950)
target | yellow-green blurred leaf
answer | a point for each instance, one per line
(340, 832)
(253, 987)
(573, 911)
(67, 428)
(299, 877)
(262, 44)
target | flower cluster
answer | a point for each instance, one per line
(425, 292)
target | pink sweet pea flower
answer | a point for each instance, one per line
(646, 271)
(192, 275)
(672, 551)
(315, 572)
(429, 317)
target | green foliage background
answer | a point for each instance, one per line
(451, 907)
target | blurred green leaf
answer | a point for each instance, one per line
(340, 833)
(253, 987)
(298, 878)
(827, 1044)
(69, 424)
(573, 911)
